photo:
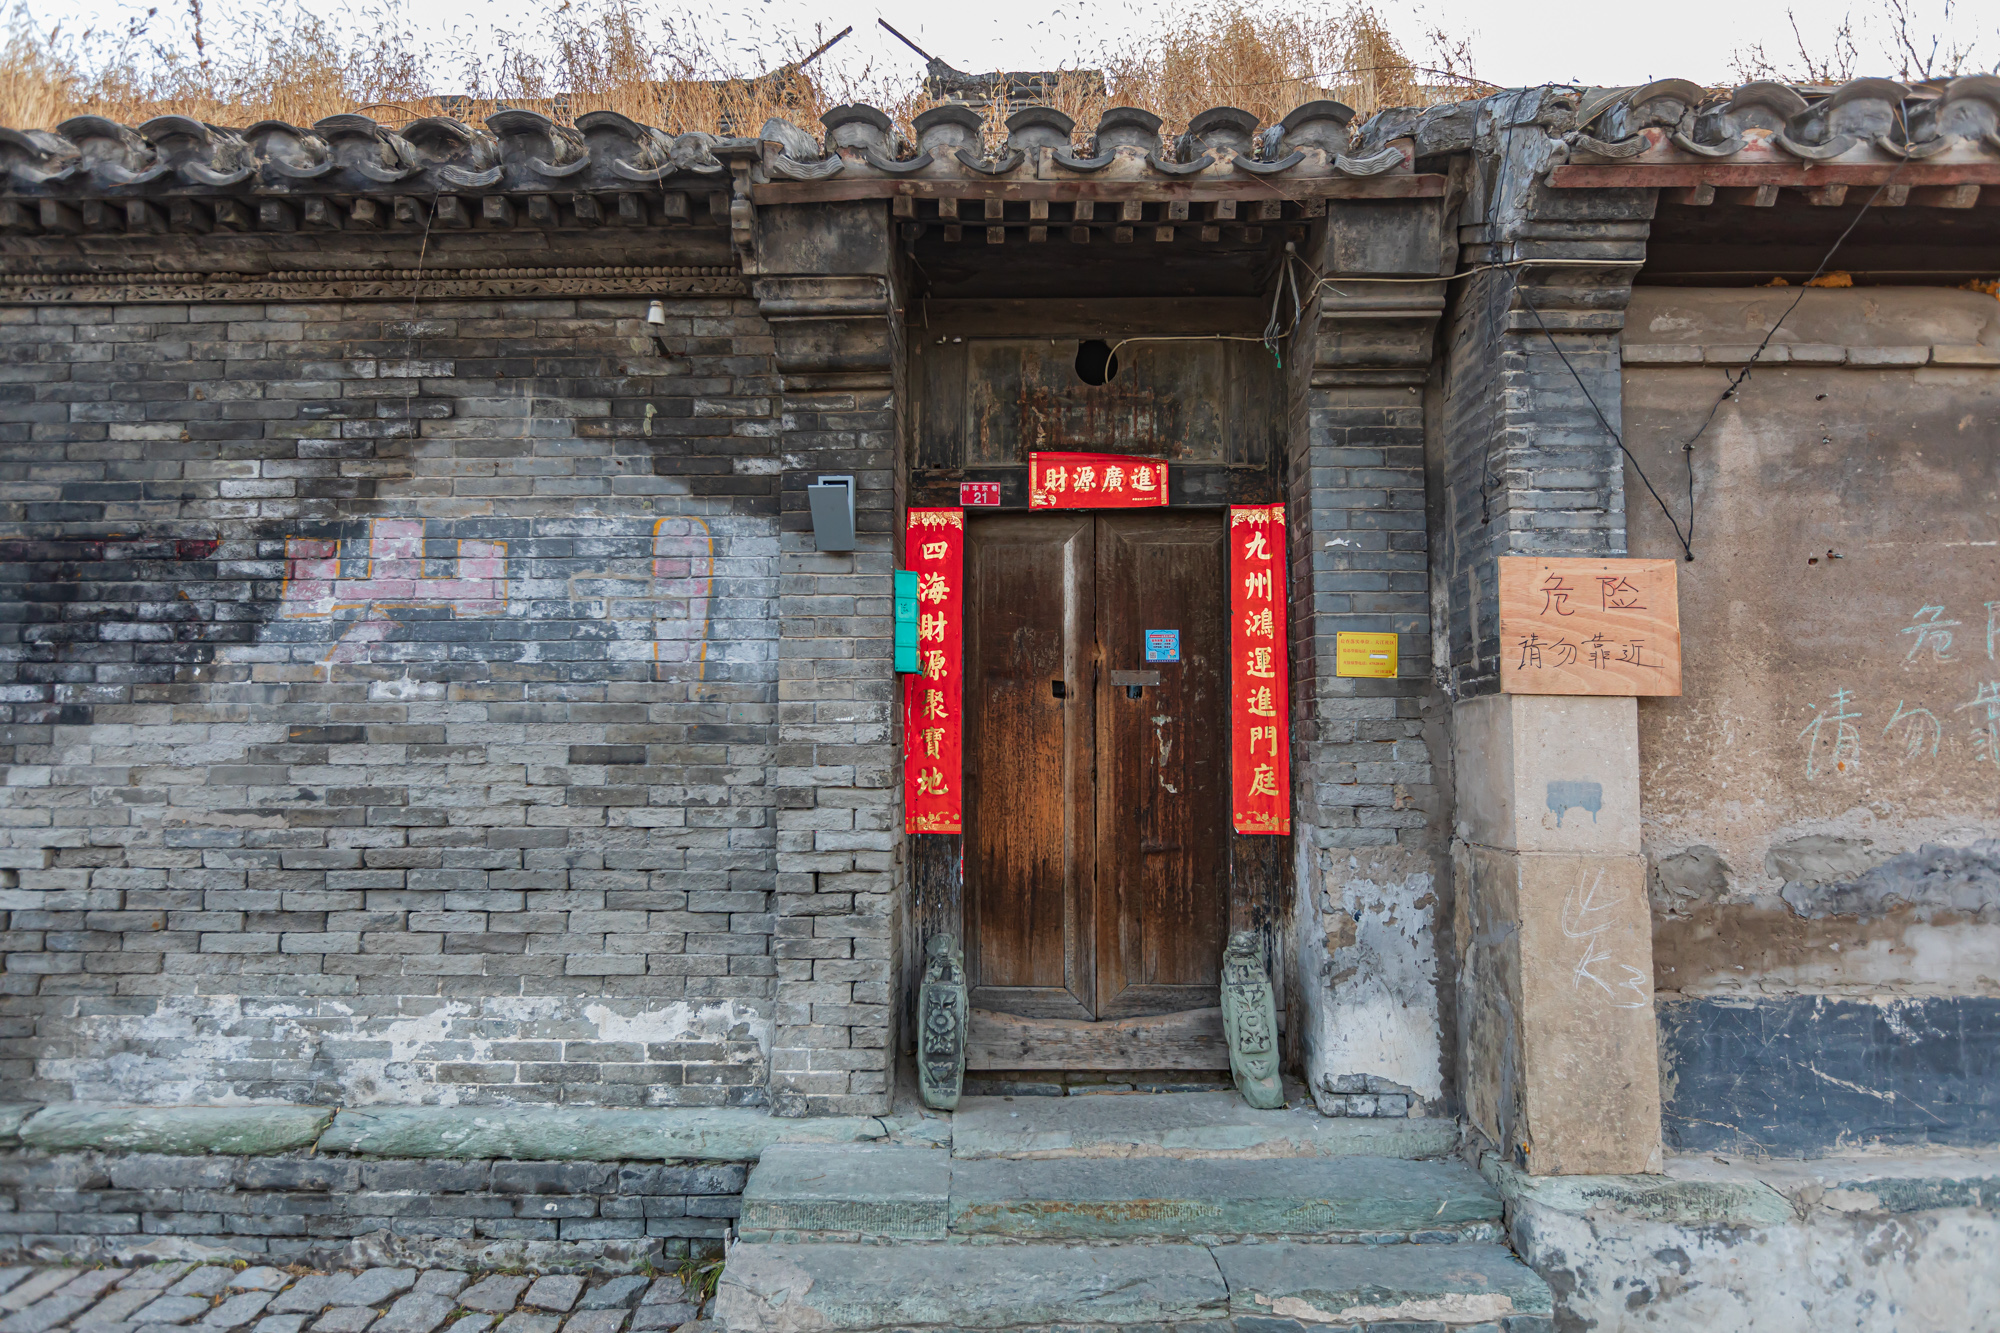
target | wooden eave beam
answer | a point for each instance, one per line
(1399, 186)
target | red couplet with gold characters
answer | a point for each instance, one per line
(1260, 745)
(933, 698)
(1095, 481)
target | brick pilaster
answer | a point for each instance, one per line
(839, 808)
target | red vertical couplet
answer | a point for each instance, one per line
(1260, 744)
(933, 698)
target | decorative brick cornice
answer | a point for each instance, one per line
(367, 284)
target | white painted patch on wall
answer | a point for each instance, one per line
(225, 1050)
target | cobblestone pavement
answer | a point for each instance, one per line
(181, 1297)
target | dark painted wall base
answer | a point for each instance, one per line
(1808, 1075)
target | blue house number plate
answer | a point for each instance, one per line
(1163, 645)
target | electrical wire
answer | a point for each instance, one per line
(1736, 380)
(1685, 541)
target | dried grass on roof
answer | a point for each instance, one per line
(658, 67)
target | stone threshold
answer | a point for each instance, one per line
(1711, 1190)
(546, 1134)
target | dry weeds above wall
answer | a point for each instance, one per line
(658, 66)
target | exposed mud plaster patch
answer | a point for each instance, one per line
(1963, 880)
(1369, 963)
(1819, 857)
(1694, 875)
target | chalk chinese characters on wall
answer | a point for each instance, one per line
(933, 701)
(1583, 626)
(1260, 743)
(1095, 481)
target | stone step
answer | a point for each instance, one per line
(843, 1288)
(833, 1193)
(882, 1193)
(1381, 1198)
(1199, 1124)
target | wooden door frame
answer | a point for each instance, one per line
(1261, 891)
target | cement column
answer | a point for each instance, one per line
(825, 288)
(1558, 1044)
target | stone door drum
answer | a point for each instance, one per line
(1097, 842)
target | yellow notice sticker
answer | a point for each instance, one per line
(1365, 655)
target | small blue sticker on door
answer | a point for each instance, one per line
(1163, 645)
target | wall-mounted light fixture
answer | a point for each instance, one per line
(656, 320)
(832, 500)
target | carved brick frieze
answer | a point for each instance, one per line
(367, 285)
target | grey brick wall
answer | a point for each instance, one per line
(331, 1210)
(493, 821)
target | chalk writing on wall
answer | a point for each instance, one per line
(1581, 626)
(1588, 914)
(1949, 721)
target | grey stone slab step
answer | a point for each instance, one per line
(1384, 1284)
(883, 1192)
(1095, 1199)
(1192, 1124)
(783, 1288)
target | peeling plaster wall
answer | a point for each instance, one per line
(1850, 1268)
(232, 1050)
(1822, 805)
(1369, 968)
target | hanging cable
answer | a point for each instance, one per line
(1736, 380)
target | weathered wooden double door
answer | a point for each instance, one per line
(1097, 831)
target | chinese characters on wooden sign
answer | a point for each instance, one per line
(933, 702)
(1260, 746)
(1095, 481)
(1584, 626)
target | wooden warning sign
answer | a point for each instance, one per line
(1582, 626)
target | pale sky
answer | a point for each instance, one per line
(1516, 41)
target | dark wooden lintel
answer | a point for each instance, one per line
(1189, 485)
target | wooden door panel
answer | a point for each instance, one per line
(1031, 812)
(1163, 831)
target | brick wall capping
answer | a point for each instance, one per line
(249, 1131)
(528, 1133)
(1784, 176)
(1968, 356)
(582, 1134)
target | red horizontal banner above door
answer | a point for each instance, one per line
(933, 700)
(1095, 481)
(1260, 744)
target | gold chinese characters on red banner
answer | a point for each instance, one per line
(933, 702)
(1095, 481)
(1571, 625)
(1260, 746)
